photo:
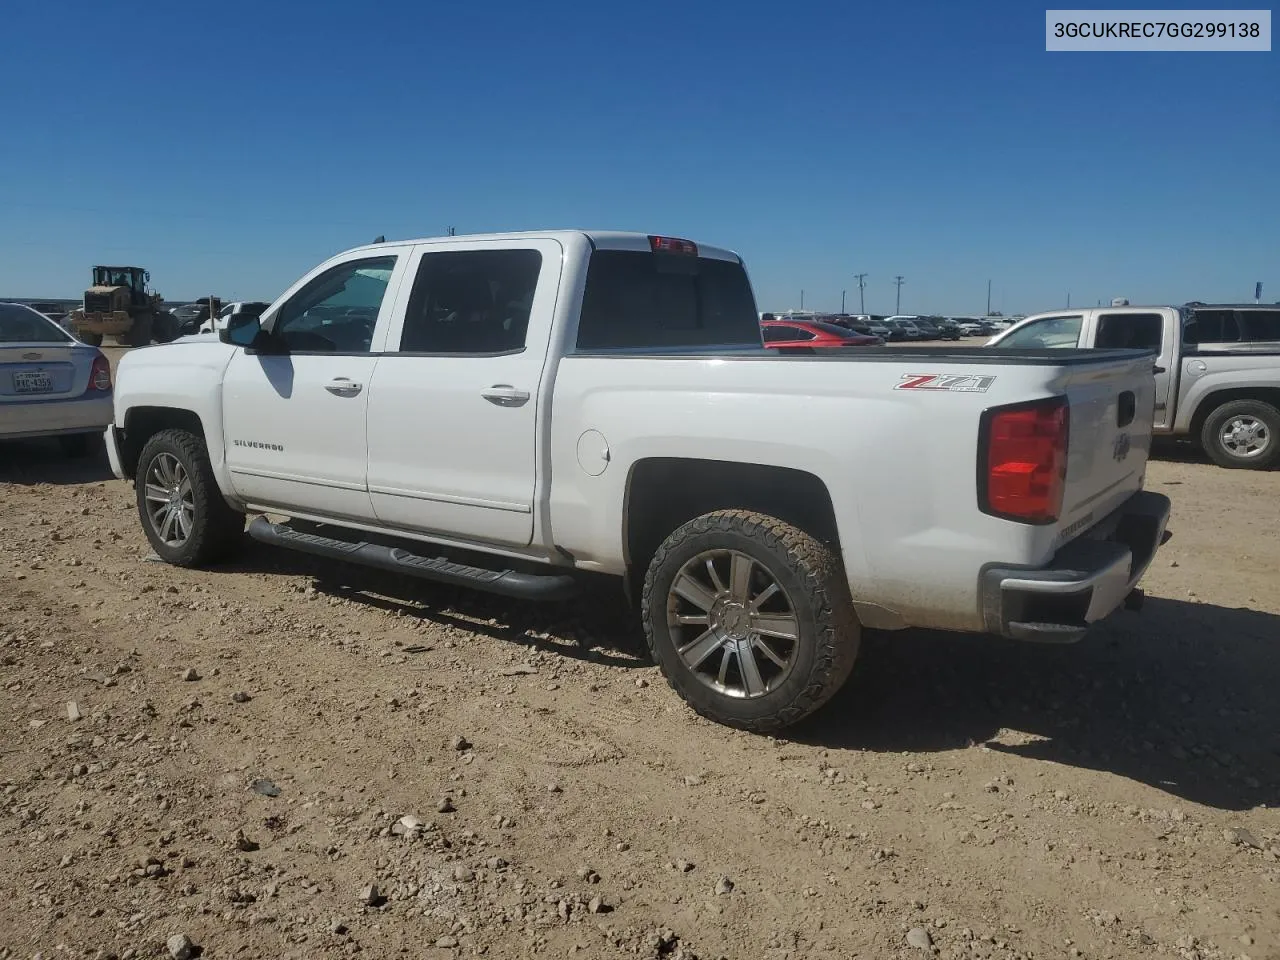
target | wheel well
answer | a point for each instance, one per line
(1216, 399)
(663, 493)
(142, 423)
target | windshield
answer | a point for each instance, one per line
(112, 277)
(18, 324)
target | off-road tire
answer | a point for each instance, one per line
(139, 332)
(217, 530)
(82, 445)
(812, 575)
(1211, 435)
(92, 339)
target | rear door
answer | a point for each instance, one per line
(294, 418)
(453, 407)
(1153, 330)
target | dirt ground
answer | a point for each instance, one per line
(249, 738)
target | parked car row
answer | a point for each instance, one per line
(901, 327)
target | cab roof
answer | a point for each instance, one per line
(600, 239)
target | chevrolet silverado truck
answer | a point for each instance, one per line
(1217, 368)
(514, 412)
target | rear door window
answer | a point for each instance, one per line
(471, 302)
(636, 300)
(1135, 331)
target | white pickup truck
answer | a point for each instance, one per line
(506, 411)
(1217, 368)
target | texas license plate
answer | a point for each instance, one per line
(32, 382)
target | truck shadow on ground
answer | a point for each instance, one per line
(29, 462)
(1182, 697)
(595, 626)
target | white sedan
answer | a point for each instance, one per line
(51, 384)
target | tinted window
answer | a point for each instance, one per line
(1054, 332)
(1212, 326)
(1260, 324)
(338, 310)
(1138, 331)
(636, 299)
(20, 325)
(835, 330)
(471, 301)
(788, 334)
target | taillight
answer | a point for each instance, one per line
(100, 374)
(1023, 461)
(673, 245)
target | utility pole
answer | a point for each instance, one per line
(842, 301)
(452, 232)
(802, 298)
(1068, 299)
(862, 284)
(898, 281)
(988, 298)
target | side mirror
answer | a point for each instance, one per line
(242, 330)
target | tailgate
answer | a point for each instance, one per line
(1112, 405)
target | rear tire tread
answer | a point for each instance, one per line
(824, 588)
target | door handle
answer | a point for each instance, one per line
(1159, 369)
(343, 387)
(505, 395)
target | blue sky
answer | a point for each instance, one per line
(938, 141)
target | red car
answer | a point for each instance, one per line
(813, 335)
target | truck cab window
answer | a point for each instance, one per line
(1135, 331)
(1049, 332)
(471, 302)
(636, 300)
(338, 310)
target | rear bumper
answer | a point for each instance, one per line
(1084, 582)
(51, 418)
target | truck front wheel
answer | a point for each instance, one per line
(750, 619)
(182, 511)
(1243, 434)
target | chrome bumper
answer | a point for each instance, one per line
(1086, 580)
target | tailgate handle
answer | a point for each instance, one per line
(1126, 409)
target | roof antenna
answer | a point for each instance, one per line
(379, 239)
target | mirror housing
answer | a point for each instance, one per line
(242, 330)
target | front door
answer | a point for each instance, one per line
(453, 408)
(294, 411)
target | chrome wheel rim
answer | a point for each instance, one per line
(1245, 437)
(171, 504)
(733, 624)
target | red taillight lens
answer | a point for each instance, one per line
(673, 245)
(100, 374)
(1025, 461)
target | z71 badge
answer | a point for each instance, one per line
(955, 383)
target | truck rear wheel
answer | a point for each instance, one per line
(1243, 434)
(92, 339)
(179, 503)
(750, 619)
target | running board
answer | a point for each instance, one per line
(508, 583)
